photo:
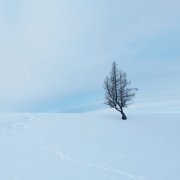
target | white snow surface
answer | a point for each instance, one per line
(90, 146)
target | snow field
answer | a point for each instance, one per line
(90, 146)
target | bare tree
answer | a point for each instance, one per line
(118, 95)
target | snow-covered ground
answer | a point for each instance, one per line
(90, 146)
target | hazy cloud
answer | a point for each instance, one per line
(54, 51)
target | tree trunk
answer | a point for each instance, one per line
(123, 116)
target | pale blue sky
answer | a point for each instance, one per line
(55, 54)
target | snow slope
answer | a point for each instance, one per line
(90, 146)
